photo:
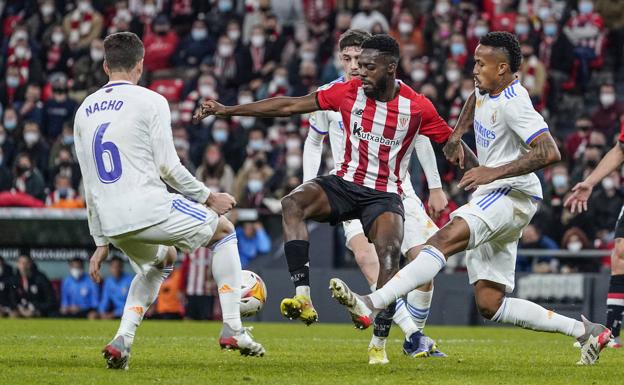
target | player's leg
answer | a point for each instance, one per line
(308, 201)
(615, 298)
(364, 252)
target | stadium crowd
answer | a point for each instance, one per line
(238, 51)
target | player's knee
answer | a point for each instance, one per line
(488, 307)
(389, 253)
(618, 250)
(225, 226)
(291, 207)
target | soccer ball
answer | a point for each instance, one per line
(253, 293)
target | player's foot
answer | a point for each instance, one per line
(240, 340)
(299, 307)
(361, 314)
(116, 354)
(419, 345)
(614, 343)
(596, 337)
(377, 355)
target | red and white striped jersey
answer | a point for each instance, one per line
(380, 135)
(197, 272)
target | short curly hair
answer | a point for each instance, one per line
(384, 44)
(506, 42)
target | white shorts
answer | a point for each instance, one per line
(190, 225)
(417, 229)
(496, 219)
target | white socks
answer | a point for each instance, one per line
(403, 318)
(418, 304)
(529, 315)
(226, 270)
(303, 290)
(421, 270)
(143, 292)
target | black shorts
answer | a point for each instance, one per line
(351, 201)
(619, 225)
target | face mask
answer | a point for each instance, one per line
(293, 162)
(58, 37)
(20, 35)
(22, 169)
(575, 246)
(550, 30)
(418, 75)
(457, 48)
(257, 41)
(199, 33)
(254, 186)
(256, 144)
(68, 140)
(280, 81)
(608, 184)
(465, 94)
(543, 13)
(225, 5)
(293, 143)
(560, 181)
(452, 75)
(220, 136)
(247, 121)
(245, 100)
(31, 138)
(442, 8)
(63, 192)
(84, 6)
(225, 50)
(607, 99)
(206, 91)
(307, 56)
(97, 55)
(12, 81)
(522, 29)
(20, 52)
(233, 34)
(47, 9)
(149, 9)
(10, 124)
(405, 28)
(74, 272)
(586, 7)
(481, 30)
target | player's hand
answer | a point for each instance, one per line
(221, 203)
(210, 107)
(437, 202)
(454, 152)
(98, 257)
(477, 176)
(577, 202)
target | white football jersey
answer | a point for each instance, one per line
(124, 145)
(505, 126)
(330, 122)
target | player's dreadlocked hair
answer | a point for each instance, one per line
(506, 42)
(352, 38)
(384, 44)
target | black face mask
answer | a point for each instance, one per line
(259, 163)
(21, 169)
(592, 163)
(65, 163)
(269, 31)
(161, 32)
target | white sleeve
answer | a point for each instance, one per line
(426, 157)
(313, 146)
(166, 158)
(95, 226)
(522, 118)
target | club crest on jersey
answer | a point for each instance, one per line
(403, 120)
(493, 120)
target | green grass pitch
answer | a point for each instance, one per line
(68, 352)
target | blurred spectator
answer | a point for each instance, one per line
(368, 17)
(606, 118)
(41, 22)
(35, 146)
(196, 46)
(8, 146)
(198, 284)
(533, 75)
(82, 25)
(577, 141)
(406, 32)
(161, 42)
(79, 294)
(56, 55)
(63, 196)
(253, 240)
(574, 240)
(259, 58)
(88, 71)
(31, 108)
(182, 146)
(6, 178)
(605, 204)
(28, 179)
(58, 109)
(115, 290)
(13, 87)
(532, 238)
(64, 164)
(6, 282)
(33, 295)
(169, 301)
(612, 13)
(251, 178)
(214, 166)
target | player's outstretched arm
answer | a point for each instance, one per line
(267, 108)
(543, 152)
(454, 149)
(577, 202)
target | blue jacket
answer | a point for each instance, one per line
(82, 292)
(249, 249)
(114, 294)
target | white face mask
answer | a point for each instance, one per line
(575, 246)
(76, 273)
(97, 55)
(199, 33)
(255, 185)
(247, 121)
(245, 100)
(543, 13)
(20, 52)
(149, 9)
(293, 162)
(560, 181)
(481, 30)
(206, 91)
(31, 138)
(452, 75)
(405, 28)
(418, 75)
(442, 8)
(280, 81)
(256, 144)
(293, 143)
(58, 37)
(13, 81)
(465, 94)
(47, 9)
(307, 56)
(225, 50)
(607, 99)
(84, 6)
(608, 184)
(233, 34)
(257, 41)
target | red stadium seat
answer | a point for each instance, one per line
(171, 89)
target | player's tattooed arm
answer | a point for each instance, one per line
(266, 108)
(543, 152)
(470, 160)
(454, 149)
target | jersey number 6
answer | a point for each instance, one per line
(106, 156)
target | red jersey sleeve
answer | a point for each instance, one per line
(332, 97)
(432, 125)
(621, 138)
